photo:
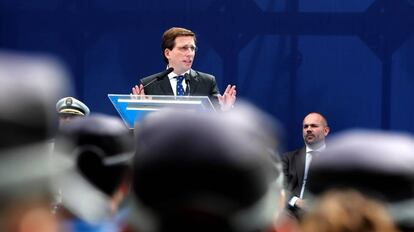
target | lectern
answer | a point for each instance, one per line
(134, 108)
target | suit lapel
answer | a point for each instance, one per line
(165, 86)
(194, 81)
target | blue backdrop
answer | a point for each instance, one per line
(352, 60)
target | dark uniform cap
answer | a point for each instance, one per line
(29, 89)
(378, 164)
(199, 170)
(102, 147)
(72, 106)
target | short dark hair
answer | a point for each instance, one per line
(168, 38)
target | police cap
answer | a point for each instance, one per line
(71, 105)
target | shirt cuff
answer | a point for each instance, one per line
(293, 200)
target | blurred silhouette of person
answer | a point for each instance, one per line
(347, 211)
(296, 163)
(377, 164)
(25, 192)
(29, 116)
(100, 148)
(206, 172)
(27, 121)
(178, 50)
(69, 108)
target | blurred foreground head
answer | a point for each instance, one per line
(347, 211)
(206, 172)
(100, 147)
(29, 88)
(377, 164)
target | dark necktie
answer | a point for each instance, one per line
(180, 88)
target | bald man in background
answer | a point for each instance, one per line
(296, 163)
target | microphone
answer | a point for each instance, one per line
(187, 81)
(160, 76)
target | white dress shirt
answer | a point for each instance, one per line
(173, 81)
(308, 161)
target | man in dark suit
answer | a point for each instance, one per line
(296, 163)
(178, 49)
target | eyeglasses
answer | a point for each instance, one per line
(186, 47)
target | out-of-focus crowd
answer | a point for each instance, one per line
(65, 168)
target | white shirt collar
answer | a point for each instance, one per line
(321, 148)
(173, 81)
(171, 75)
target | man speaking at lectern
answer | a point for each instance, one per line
(178, 49)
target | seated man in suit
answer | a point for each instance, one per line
(178, 49)
(296, 163)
